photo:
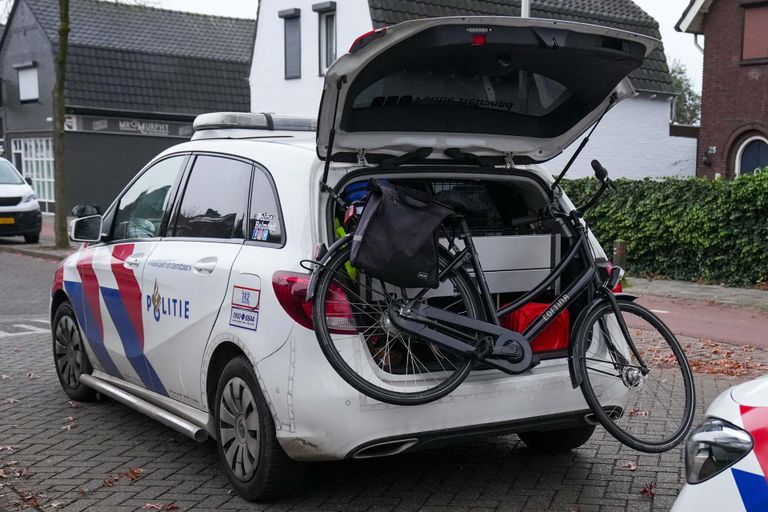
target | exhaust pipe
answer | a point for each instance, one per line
(156, 413)
(591, 419)
(385, 449)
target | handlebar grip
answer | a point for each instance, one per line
(600, 172)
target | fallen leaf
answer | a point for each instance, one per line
(11, 401)
(73, 404)
(8, 449)
(31, 376)
(133, 473)
(638, 412)
(69, 419)
(83, 491)
(649, 489)
(68, 427)
(153, 506)
(629, 465)
(4, 377)
(55, 504)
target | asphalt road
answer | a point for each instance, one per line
(25, 284)
(717, 322)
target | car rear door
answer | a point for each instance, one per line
(186, 278)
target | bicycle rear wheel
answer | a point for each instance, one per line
(651, 412)
(351, 319)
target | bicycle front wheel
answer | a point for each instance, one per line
(647, 408)
(352, 324)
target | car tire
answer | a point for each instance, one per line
(556, 441)
(256, 465)
(32, 239)
(69, 355)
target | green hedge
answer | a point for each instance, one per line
(690, 229)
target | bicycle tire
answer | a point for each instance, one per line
(666, 357)
(333, 272)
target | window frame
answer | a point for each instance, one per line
(25, 67)
(746, 6)
(174, 216)
(108, 226)
(257, 167)
(324, 10)
(742, 147)
(288, 16)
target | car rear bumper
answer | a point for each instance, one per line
(20, 223)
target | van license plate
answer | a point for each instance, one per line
(7, 220)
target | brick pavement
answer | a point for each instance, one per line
(87, 466)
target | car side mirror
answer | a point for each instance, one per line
(28, 180)
(86, 229)
(85, 210)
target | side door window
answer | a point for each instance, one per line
(185, 281)
(141, 211)
(265, 223)
(139, 216)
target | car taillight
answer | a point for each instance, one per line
(291, 292)
(363, 41)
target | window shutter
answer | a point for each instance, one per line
(755, 33)
(293, 47)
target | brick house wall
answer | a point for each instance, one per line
(734, 93)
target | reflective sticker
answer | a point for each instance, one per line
(244, 318)
(245, 307)
(753, 490)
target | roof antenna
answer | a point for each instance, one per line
(331, 136)
(584, 142)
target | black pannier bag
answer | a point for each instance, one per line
(396, 239)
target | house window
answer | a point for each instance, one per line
(28, 89)
(34, 158)
(292, 52)
(327, 33)
(755, 45)
(752, 155)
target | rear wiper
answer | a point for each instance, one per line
(411, 157)
(468, 158)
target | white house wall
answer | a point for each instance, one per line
(270, 91)
(633, 141)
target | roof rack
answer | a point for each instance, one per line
(253, 121)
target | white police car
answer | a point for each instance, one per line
(188, 301)
(19, 210)
(727, 456)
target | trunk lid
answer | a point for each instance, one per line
(487, 85)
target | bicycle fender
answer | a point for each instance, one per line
(323, 261)
(573, 370)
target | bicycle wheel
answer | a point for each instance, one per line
(351, 319)
(649, 412)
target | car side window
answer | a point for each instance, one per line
(215, 199)
(265, 224)
(141, 209)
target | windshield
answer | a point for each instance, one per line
(9, 175)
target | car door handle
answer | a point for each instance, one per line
(133, 261)
(205, 266)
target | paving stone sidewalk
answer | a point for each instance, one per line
(61, 455)
(714, 294)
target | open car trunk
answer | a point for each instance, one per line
(515, 257)
(492, 86)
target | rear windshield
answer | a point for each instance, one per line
(8, 175)
(521, 92)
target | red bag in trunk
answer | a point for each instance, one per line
(555, 337)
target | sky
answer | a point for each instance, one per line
(666, 12)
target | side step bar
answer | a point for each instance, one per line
(166, 418)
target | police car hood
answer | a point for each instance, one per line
(752, 394)
(487, 85)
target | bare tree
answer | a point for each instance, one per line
(59, 174)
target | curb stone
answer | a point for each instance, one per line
(46, 252)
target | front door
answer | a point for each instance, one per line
(111, 273)
(186, 277)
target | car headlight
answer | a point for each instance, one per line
(28, 198)
(714, 447)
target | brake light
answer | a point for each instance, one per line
(291, 292)
(478, 40)
(365, 39)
